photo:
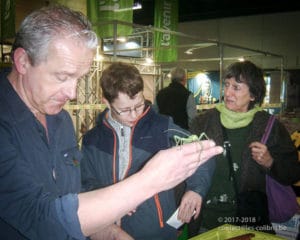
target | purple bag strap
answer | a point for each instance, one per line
(268, 129)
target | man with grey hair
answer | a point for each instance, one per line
(176, 101)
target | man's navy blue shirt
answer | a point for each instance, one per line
(39, 175)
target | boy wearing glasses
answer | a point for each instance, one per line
(128, 133)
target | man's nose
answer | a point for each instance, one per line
(133, 113)
(71, 90)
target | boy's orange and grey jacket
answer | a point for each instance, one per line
(152, 132)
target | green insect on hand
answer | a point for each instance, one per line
(192, 138)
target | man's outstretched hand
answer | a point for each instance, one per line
(171, 166)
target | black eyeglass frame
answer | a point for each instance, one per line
(128, 111)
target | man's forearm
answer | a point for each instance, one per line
(104, 206)
(99, 208)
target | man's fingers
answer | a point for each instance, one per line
(210, 152)
(200, 154)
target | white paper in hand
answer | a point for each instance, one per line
(173, 221)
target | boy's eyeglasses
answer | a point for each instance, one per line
(139, 108)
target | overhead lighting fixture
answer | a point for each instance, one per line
(189, 52)
(198, 46)
(121, 39)
(137, 5)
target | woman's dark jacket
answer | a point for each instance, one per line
(285, 168)
(220, 205)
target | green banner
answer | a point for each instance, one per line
(93, 13)
(7, 19)
(78, 5)
(165, 18)
(109, 10)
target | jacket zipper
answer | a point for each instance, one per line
(156, 197)
(159, 211)
(115, 180)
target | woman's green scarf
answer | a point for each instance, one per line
(231, 119)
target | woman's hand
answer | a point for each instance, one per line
(190, 206)
(261, 154)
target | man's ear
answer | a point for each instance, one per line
(21, 60)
